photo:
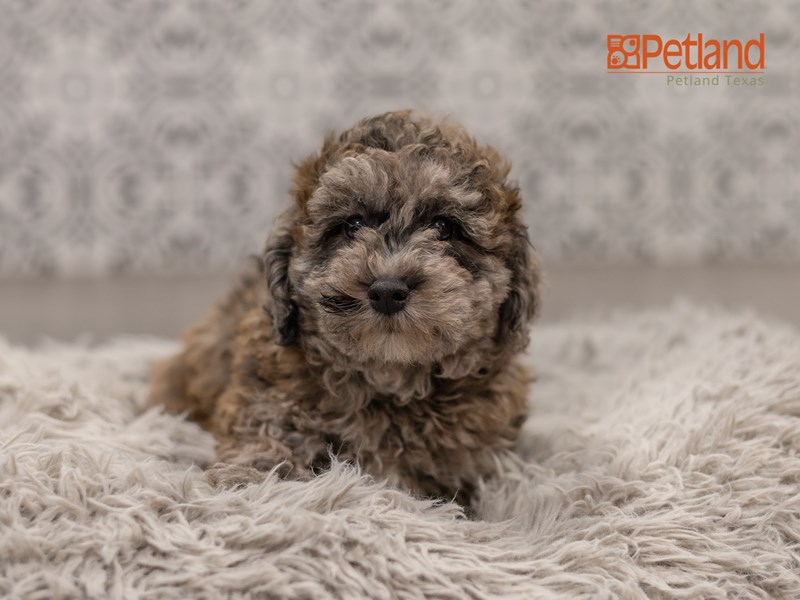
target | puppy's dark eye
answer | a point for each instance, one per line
(353, 224)
(443, 226)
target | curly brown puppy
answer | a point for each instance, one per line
(381, 324)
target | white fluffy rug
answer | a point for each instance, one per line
(662, 460)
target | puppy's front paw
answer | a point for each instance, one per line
(228, 476)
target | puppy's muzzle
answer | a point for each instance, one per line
(388, 296)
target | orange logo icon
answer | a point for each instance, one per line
(624, 51)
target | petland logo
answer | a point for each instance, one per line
(691, 61)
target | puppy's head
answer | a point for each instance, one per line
(405, 245)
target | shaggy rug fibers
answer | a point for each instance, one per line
(662, 460)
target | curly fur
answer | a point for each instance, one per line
(295, 365)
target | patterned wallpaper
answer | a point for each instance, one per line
(157, 135)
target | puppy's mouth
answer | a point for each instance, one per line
(363, 331)
(340, 304)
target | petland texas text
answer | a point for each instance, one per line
(692, 61)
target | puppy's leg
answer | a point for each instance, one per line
(246, 450)
(180, 386)
(225, 476)
(244, 461)
(197, 376)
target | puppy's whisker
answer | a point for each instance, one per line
(340, 304)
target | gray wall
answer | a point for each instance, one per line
(155, 136)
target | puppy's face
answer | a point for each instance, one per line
(409, 251)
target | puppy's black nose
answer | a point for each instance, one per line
(388, 296)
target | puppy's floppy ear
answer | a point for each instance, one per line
(280, 306)
(522, 301)
(278, 252)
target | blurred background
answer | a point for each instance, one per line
(146, 147)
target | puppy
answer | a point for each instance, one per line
(381, 323)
